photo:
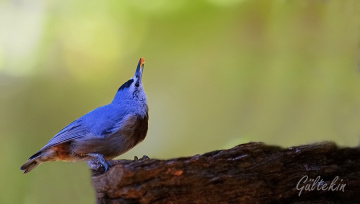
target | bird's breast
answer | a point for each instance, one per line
(133, 130)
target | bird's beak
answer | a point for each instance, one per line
(140, 68)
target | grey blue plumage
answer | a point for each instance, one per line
(103, 133)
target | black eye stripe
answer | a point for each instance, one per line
(126, 84)
(137, 84)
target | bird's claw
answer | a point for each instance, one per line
(144, 157)
(98, 163)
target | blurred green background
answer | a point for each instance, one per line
(218, 73)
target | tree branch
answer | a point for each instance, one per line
(248, 173)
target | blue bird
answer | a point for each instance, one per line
(103, 133)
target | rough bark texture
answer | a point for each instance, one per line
(248, 173)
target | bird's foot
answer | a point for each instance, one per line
(98, 163)
(142, 158)
(98, 166)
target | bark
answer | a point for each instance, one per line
(248, 173)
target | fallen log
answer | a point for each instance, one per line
(247, 173)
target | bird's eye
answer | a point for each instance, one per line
(137, 84)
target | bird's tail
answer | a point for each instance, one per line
(31, 163)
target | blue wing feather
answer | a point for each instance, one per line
(73, 131)
(100, 122)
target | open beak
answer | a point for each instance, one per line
(140, 68)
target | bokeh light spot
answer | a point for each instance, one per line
(225, 2)
(91, 45)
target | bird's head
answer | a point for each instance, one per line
(133, 88)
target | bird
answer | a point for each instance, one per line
(102, 134)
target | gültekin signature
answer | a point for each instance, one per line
(318, 184)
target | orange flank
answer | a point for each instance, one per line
(62, 152)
